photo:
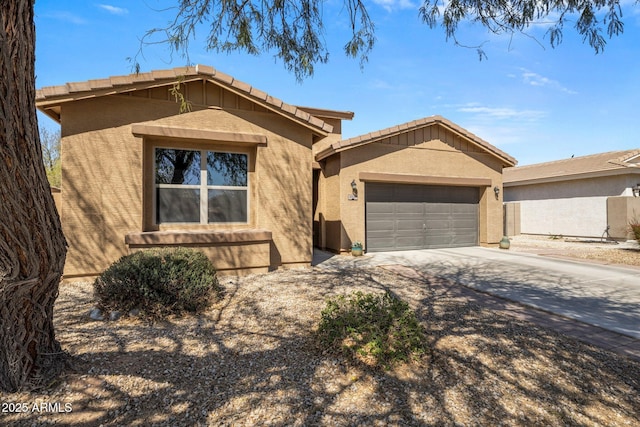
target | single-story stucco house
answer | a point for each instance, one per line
(255, 182)
(578, 197)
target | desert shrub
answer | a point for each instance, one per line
(158, 282)
(635, 228)
(377, 329)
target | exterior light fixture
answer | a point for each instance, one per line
(636, 190)
(354, 191)
(496, 190)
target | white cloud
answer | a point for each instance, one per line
(114, 10)
(535, 79)
(381, 84)
(67, 17)
(390, 5)
(499, 125)
(500, 113)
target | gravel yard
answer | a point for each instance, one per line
(624, 253)
(252, 360)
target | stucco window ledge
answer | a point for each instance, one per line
(161, 131)
(197, 237)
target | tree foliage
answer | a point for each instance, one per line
(293, 29)
(50, 143)
(511, 17)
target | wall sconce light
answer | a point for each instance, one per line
(496, 190)
(636, 190)
(354, 191)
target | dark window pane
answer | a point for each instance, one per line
(227, 206)
(226, 169)
(177, 205)
(177, 166)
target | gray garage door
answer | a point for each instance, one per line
(404, 217)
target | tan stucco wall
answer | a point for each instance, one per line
(622, 211)
(103, 175)
(421, 152)
(329, 209)
(512, 219)
(335, 136)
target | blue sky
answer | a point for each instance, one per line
(534, 102)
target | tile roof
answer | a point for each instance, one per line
(409, 126)
(128, 83)
(601, 164)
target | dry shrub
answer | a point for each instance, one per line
(158, 282)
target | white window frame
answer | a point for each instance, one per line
(203, 187)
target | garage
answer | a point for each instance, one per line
(406, 217)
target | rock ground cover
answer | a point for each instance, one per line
(253, 359)
(623, 253)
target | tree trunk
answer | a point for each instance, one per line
(32, 246)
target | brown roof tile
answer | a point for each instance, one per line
(159, 74)
(121, 80)
(78, 87)
(600, 164)
(409, 126)
(258, 93)
(245, 87)
(53, 91)
(206, 69)
(119, 83)
(99, 83)
(276, 102)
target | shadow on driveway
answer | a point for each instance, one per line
(599, 295)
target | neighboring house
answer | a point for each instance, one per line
(578, 197)
(252, 181)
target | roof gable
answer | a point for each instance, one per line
(49, 98)
(388, 134)
(594, 165)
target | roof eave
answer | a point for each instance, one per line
(572, 177)
(330, 114)
(56, 95)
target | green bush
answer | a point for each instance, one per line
(158, 282)
(377, 329)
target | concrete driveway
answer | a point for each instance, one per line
(600, 295)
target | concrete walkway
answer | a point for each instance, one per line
(599, 304)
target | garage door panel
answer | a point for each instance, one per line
(404, 217)
(438, 227)
(470, 224)
(380, 208)
(384, 226)
(409, 217)
(436, 241)
(465, 208)
(437, 208)
(383, 243)
(462, 241)
(409, 243)
(410, 225)
(406, 194)
(379, 193)
(409, 209)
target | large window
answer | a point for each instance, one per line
(200, 186)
